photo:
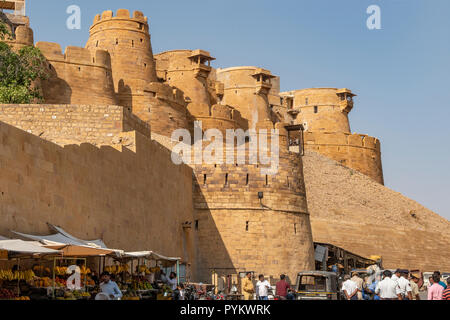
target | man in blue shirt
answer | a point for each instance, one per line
(438, 273)
(109, 287)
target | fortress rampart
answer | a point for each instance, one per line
(127, 39)
(188, 70)
(76, 72)
(357, 151)
(73, 124)
(226, 199)
(246, 89)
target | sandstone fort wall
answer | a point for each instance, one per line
(76, 72)
(73, 124)
(134, 198)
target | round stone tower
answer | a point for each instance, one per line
(249, 220)
(247, 89)
(127, 39)
(188, 70)
(323, 109)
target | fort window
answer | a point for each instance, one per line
(295, 228)
(145, 65)
(132, 43)
(246, 225)
(93, 60)
(142, 40)
(306, 101)
(267, 180)
(316, 109)
(79, 69)
(204, 179)
(196, 224)
(226, 179)
(117, 41)
(246, 180)
(96, 44)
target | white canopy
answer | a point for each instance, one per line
(149, 255)
(64, 238)
(25, 247)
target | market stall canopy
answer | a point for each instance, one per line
(71, 250)
(64, 238)
(150, 255)
(20, 247)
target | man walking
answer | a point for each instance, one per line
(247, 287)
(387, 288)
(349, 288)
(262, 288)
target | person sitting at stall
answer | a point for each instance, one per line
(109, 287)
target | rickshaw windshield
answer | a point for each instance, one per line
(312, 283)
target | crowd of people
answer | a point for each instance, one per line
(400, 285)
(262, 288)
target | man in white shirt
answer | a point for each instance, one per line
(396, 275)
(388, 289)
(404, 286)
(262, 288)
(350, 288)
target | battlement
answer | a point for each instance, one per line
(342, 139)
(75, 55)
(357, 151)
(165, 92)
(121, 14)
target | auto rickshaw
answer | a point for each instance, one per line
(317, 285)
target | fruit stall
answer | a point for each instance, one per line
(138, 275)
(18, 282)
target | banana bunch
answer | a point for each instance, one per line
(17, 275)
(84, 270)
(60, 271)
(117, 268)
(144, 269)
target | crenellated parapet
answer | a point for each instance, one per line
(76, 72)
(357, 151)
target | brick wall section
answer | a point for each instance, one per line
(352, 211)
(73, 124)
(133, 200)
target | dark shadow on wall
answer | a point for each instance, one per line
(212, 253)
(54, 89)
(124, 95)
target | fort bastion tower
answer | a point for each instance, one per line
(127, 39)
(323, 112)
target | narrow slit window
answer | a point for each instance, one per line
(295, 228)
(117, 41)
(246, 180)
(316, 109)
(132, 43)
(246, 226)
(226, 179)
(196, 224)
(204, 179)
(267, 180)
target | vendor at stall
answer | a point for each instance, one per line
(109, 287)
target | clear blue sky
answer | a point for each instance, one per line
(400, 73)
